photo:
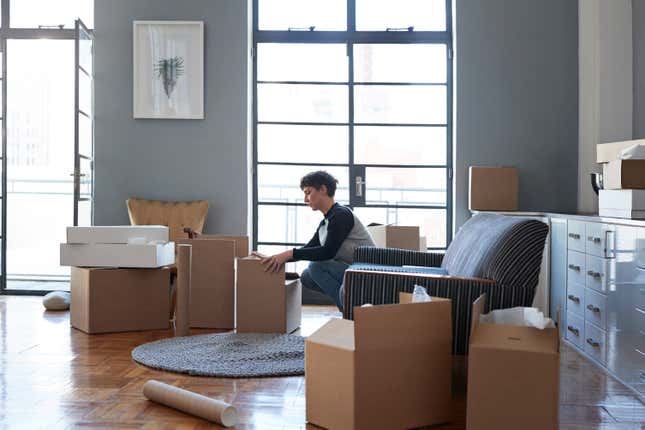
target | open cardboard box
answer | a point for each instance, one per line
(212, 289)
(513, 376)
(266, 302)
(395, 236)
(113, 300)
(620, 174)
(388, 369)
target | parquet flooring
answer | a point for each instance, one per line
(55, 377)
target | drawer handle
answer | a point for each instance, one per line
(593, 308)
(574, 267)
(574, 298)
(574, 235)
(593, 343)
(594, 239)
(595, 275)
(573, 330)
(642, 376)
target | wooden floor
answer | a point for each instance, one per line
(52, 376)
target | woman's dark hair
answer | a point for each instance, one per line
(318, 179)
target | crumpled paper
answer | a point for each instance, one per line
(522, 317)
(634, 152)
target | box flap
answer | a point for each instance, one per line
(478, 308)
(606, 152)
(513, 338)
(337, 333)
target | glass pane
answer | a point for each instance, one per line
(379, 15)
(400, 63)
(40, 148)
(85, 52)
(302, 143)
(32, 13)
(431, 222)
(298, 14)
(405, 186)
(302, 103)
(400, 145)
(85, 93)
(400, 104)
(84, 135)
(291, 224)
(86, 179)
(282, 183)
(85, 213)
(324, 62)
(298, 266)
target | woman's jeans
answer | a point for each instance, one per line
(326, 277)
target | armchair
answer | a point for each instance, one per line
(492, 254)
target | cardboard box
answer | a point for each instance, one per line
(212, 289)
(622, 203)
(620, 174)
(388, 369)
(116, 234)
(513, 376)
(113, 300)
(493, 188)
(395, 236)
(117, 255)
(266, 302)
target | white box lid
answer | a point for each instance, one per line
(117, 234)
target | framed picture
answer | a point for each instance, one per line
(168, 69)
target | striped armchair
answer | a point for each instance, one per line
(492, 254)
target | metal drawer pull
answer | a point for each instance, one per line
(573, 330)
(642, 376)
(574, 267)
(574, 298)
(574, 236)
(593, 308)
(594, 239)
(596, 275)
(591, 342)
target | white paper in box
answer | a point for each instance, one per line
(117, 255)
(117, 234)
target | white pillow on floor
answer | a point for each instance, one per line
(56, 301)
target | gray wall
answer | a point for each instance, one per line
(172, 159)
(638, 29)
(517, 97)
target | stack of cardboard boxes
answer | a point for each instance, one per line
(623, 179)
(119, 277)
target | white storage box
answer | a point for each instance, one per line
(117, 255)
(117, 234)
(622, 203)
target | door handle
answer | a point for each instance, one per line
(359, 186)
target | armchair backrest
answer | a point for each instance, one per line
(175, 215)
(504, 248)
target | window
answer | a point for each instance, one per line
(362, 89)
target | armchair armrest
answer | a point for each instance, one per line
(397, 257)
(363, 286)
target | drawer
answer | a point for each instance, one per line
(576, 235)
(576, 299)
(595, 343)
(596, 308)
(575, 330)
(576, 268)
(596, 237)
(596, 273)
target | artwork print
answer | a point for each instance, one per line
(168, 69)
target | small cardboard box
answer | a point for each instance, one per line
(266, 302)
(395, 236)
(117, 234)
(117, 255)
(620, 174)
(388, 369)
(113, 300)
(493, 188)
(513, 376)
(212, 289)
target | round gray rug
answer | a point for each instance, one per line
(227, 355)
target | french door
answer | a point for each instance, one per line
(361, 89)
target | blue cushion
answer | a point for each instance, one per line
(399, 269)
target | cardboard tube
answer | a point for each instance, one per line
(182, 317)
(191, 403)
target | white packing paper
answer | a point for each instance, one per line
(522, 317)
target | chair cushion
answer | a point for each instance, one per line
(399, 269)
(175, 215)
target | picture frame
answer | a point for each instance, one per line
(168, 69)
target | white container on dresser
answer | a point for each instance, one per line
(605, 296)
